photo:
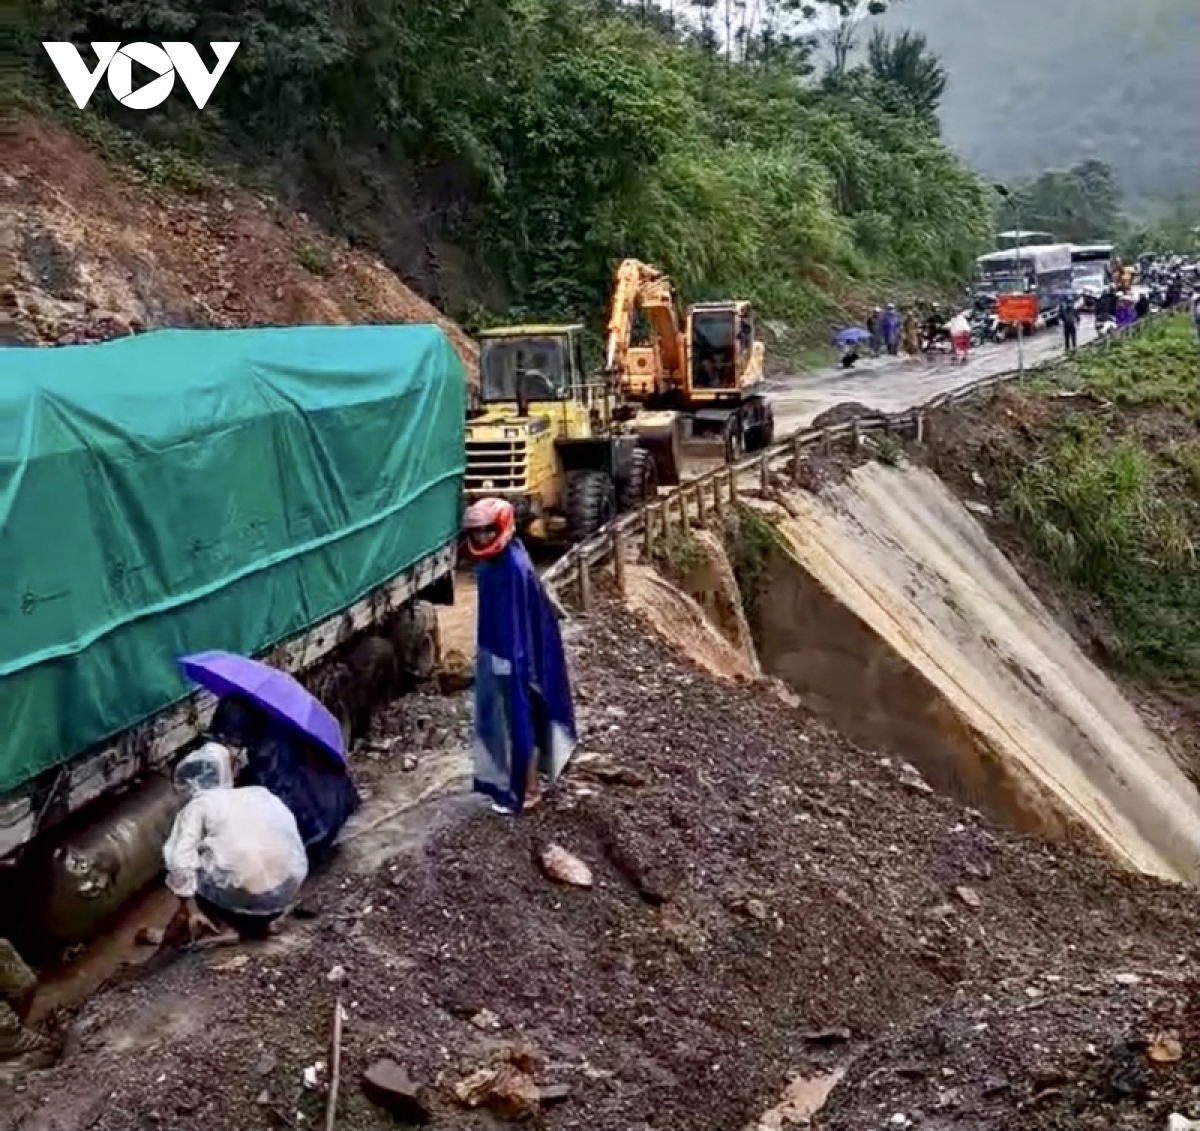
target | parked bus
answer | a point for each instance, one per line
(1091, 270)
(1041, 269)
(1009, 241)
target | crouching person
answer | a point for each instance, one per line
(234, 857)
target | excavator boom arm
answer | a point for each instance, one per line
(637, 285)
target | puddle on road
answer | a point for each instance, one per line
(802, 1099)
(400, 814)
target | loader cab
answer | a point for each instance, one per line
(721, 340)
(530, 364)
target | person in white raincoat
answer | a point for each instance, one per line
(234, 854)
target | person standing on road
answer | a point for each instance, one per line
(1069, 317)
(524, 715)
(891, 329)
(875, 329)
(909, 336)
(960, 337)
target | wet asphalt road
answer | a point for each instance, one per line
(896, 384)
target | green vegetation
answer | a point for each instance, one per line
(748, 539)
(1155, 365)
(549, 138)
(1112, 500)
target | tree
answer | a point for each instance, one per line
(905, 62)
(1077, 204)
(846, 18)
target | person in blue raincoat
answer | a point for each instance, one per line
(890, 325)
(524, 715)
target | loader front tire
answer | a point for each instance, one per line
(641, 486)
(591, 503)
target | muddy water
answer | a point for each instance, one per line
(902, 621)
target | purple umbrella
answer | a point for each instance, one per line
(227, 673)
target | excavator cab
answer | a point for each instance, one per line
(722, 350)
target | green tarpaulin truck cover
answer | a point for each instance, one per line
(191, 489)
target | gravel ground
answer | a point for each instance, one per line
(768, 900)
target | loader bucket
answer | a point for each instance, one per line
(661, 434)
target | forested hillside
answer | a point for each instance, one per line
(1041, 85)
(510, 153)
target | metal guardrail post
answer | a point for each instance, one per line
(764, 473)
(856, 432)
(920, 429)
(701, 506)
(618, 556)
(648, 520)
(685, 521)
(718, 500)
(585, 584)
(733, 487)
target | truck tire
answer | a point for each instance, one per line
(641, 485)
(590, 504)
(734, 437)
(419, 640)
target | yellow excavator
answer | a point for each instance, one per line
(706, 363)
(557, 445)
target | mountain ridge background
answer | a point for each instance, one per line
(1037, 85)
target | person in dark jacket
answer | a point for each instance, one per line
(1142, 307)
(1069, 317)
(875, 329)
(309, 780)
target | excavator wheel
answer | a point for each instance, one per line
(591, 503)
(642, 484)
(734, 437)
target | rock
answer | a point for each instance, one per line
(267, 1063)
(604, 769)
(1127, 979)
(486, 1020)
(969, 896)
(313, 1075)
(554, 1094)
(408, 763)
(1179, 1122)
(387, 1084)
(149, 936)
(1164, 1048)
(504, 1090)
(337, 975)
(562, 866)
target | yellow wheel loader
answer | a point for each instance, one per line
(555, 444)
(705, 363)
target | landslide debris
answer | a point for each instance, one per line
(88, 251)
(768, 900)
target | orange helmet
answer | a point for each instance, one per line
(489, 526)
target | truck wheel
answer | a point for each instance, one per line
(642, 484)
(735, 439)
(590, 504)
(416, 634)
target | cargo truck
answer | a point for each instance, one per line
(273, 492)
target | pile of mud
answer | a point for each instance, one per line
(88, 252)
(769, 900)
